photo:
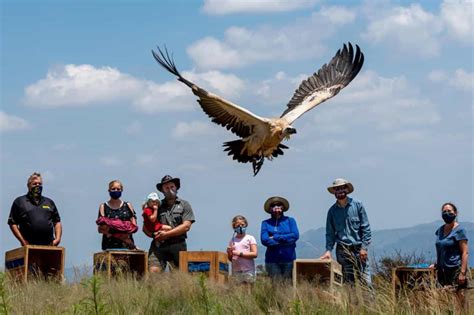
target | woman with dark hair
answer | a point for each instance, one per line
(452, 251)
(279, 234)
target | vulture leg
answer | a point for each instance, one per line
(257, 164)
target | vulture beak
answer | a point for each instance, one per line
(290, 130)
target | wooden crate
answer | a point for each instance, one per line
(319, 272)
(35, 261)
(120, 262)
(214, 264)
(412, 278)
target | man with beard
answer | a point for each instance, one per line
(178, 214)
(348, 227)
(34, 219)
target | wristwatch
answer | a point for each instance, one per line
(241, 254)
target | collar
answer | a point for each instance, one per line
(32, 200)
(349, 201)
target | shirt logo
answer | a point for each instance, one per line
(45, 207)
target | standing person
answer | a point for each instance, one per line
(34, 219)
(242, 251)
(347, 226)
(178, 214)
(117, 220)
(279, 234)
(452, 252)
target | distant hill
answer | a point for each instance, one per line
(419, 240)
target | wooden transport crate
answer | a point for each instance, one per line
(120, 262)
(319, 272)
(214, 264)
(412, 278)
(35, 261)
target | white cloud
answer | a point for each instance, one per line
(460, 79)
(458, 18)
(191, 129)
(78, 85)
(221, 7)
(110, 161)
(12, 123)
(242, 46)
(86, 85)
(278, 89)
(407, 29)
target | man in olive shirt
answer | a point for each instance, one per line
(34, 219)
(177, 213)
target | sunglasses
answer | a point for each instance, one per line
(340, 188)
(275, 205)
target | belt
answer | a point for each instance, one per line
(174, 241)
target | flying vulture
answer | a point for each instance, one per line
(261, 137)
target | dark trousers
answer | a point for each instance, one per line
(352, 267)
(163, 253)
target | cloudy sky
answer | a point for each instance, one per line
(83, 102)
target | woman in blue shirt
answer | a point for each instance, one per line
(279, 234)
(451, 250)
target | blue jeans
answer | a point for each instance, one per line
(279, 270)
(352, 266)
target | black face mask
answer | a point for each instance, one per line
(448, 217)
(36, 191)
(340, 195)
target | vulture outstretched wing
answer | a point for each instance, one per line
(325, 83)
(235, 118)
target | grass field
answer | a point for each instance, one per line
(177, 293)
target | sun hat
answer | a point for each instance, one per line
(153, 196)
(340, 182)
(167, 179)
(275, 199)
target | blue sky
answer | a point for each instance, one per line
(84, 102)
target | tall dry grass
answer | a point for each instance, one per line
(177, 293)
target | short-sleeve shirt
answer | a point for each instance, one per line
(243, 245)
(123, 213)
(35, 221)
(447, 247)
(175, 214)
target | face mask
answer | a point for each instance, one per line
(115, 194)
(36, 191)
(341, 195)
(170, 194)
(240, 229)
(448, 217)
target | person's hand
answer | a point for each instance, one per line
(24, 242)
(165, 227)
(363, 255)
(56, 241)
(161, 235)
(235, 252)
(432, 266)
(104, 229)
(326, 255)
(230, 250)
(462, 278)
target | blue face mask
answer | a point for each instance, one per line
(115, 194)
(240, 229)
(448, 217)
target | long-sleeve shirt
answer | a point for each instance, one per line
(348, 225)
(279, 236)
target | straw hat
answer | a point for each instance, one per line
(272, 200)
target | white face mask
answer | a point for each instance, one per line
(170, 194)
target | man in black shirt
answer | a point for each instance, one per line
(34, 219)
(177, 213)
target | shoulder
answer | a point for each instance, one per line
(20, 199)
(251, 239)
(355, 202)
(185, 203)
(461, 233)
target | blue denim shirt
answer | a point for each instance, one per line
(279, 236)
(348, 225)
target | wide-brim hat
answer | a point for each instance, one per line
(340, 182)
(168, 179)
(272, 200)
